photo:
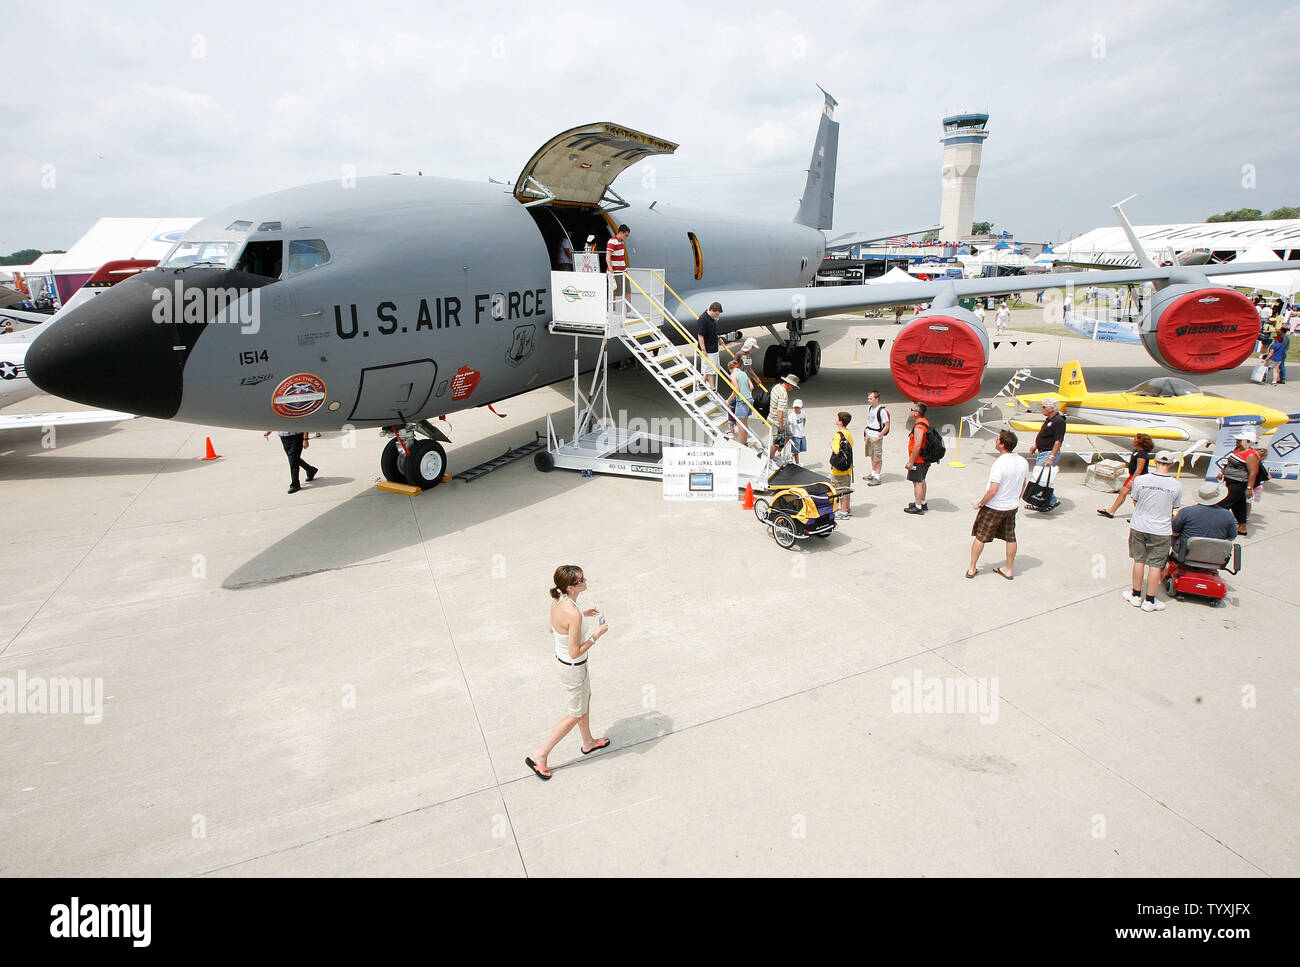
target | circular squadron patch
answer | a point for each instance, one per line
(299, 395)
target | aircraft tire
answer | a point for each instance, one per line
(815, 351)
(543, 461)
(389, 464)
(801, 362)
(772, 362)
(426, 464)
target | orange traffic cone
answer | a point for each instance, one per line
(212, 454)
(748, 502)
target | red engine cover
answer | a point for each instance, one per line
(937, 360)
(1207, 330)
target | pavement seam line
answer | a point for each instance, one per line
(90, 550)
(469, 693)
(1088, 755)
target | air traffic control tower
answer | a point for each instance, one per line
(963, 142)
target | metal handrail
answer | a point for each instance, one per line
(668, 316)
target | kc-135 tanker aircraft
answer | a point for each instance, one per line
(393, 299)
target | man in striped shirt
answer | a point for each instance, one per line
(616, 259)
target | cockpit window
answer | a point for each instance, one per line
(1166, 386)
(185, 254)
(306, 254)
(262, 258)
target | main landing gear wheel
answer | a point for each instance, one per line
(801, 362)
(772, 362)
(426, 464)
(391, 462)
(815, 348)
(543, 461)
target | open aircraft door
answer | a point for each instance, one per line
(578, 166)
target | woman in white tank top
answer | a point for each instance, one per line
(574, 632)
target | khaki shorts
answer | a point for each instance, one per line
(577, 684)
(1149, 549)
(875, 448)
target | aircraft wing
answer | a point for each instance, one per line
(1101, 429)
(835, 243)
(19, 421)
(762, 307)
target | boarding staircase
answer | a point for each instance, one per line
(680, 378)
(637, 320)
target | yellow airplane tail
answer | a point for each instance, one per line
(1072, 383)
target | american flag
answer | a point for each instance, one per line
(896, 240)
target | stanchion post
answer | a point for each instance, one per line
(956, 461)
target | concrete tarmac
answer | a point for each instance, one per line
(347, 681)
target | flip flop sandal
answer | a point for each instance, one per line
(1001, 573)
(1106, 513)
(528, 760)
(597, 747)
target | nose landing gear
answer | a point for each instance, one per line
(405, 459)
(789, 356)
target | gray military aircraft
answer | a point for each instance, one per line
(384, 301)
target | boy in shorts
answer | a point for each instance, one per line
(795, 422)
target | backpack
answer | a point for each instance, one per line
(842, 459)
(932, 450)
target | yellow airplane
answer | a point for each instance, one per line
(1175, 413)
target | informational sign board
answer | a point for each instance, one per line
(700, 473)
(579, 297)
(586, 261)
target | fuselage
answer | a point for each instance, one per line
(392, 300)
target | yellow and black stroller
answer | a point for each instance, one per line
(799, 505)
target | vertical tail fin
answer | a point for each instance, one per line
(1072, 383)
(818, 204)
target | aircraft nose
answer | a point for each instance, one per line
(126, 349)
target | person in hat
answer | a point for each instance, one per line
(1155, 494)
(1240, 474)
(797, 421)
(1046, 450)
(1206, 518)
(777, 407)
(746, 357)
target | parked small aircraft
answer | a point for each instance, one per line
(1174, 412)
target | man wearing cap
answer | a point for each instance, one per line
(1150, 528)
(780, 402)
(1205, 518)
(746, 357)
(707, 338)
(1047, 445)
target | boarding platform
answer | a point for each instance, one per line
(590, 308)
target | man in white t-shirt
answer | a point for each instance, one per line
(1150, 528)
(1003, 317)
(874, 437)
(996, 517)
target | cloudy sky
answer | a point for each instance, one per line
(181, 110)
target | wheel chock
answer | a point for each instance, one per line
(398, 488)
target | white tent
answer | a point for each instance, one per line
(122, 238)
(1285, 282)
(893, 275)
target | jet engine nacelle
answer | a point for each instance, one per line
(939, 357)
(1199, 328)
